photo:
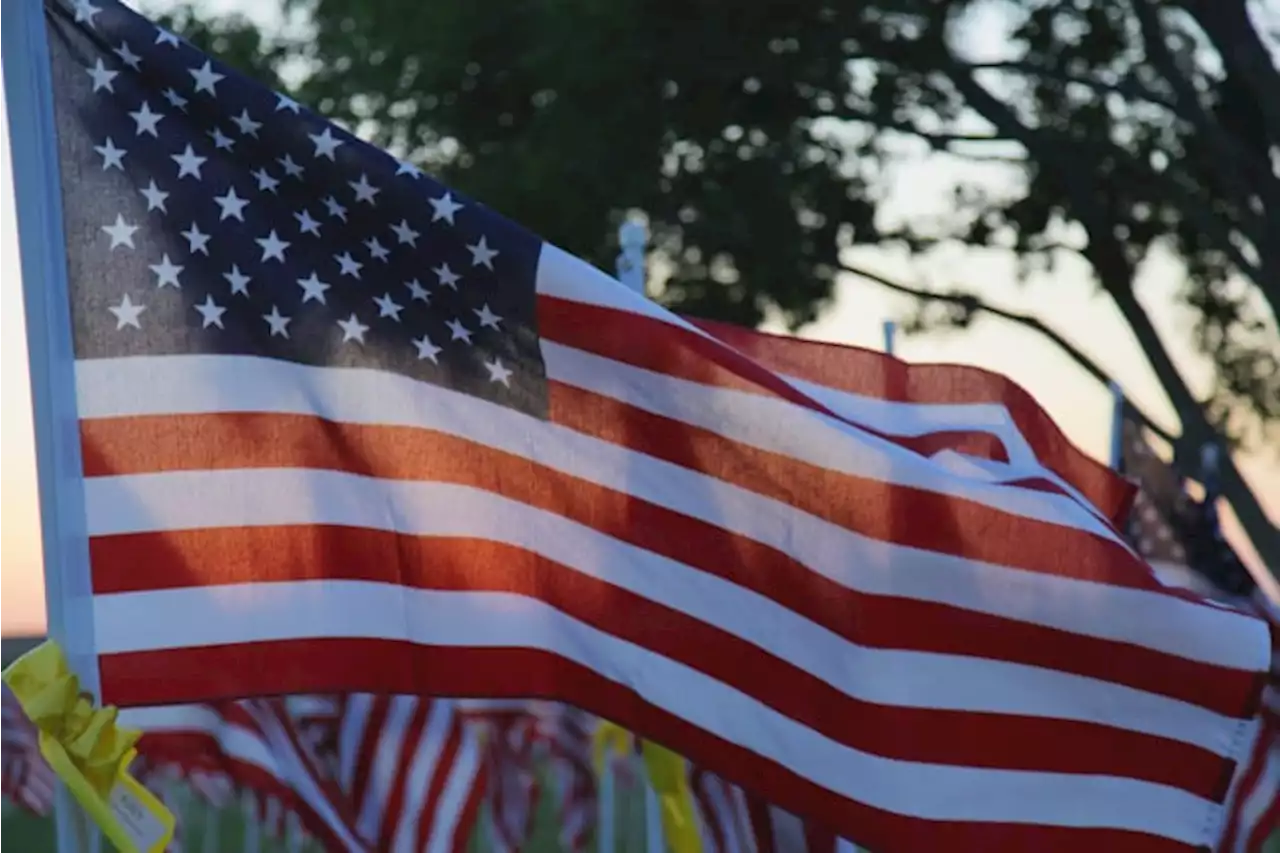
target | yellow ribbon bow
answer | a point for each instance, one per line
(670, 781)
(88, 751)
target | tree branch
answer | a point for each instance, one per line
(1035, 324)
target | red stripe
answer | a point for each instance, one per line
(367, 750)
(315, 665)
(394, 806)
(263, 554)
(872, 374)
(1253, 766)
(134, 445)
(442, 769)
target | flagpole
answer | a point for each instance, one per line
(890, 332)
(51, 358)
(1117, 425)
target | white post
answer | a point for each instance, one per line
(37, 186)
(632, 238)
(890, 332)
(605, 804)
(1117, 426)
(252, 823)
(653, 840)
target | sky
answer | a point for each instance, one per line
(1081, 407)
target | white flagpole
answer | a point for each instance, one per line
(632, 237)
(605, 803)
(1117, 425)
(51, 359)
(890, 332)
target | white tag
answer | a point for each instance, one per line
(142, 827)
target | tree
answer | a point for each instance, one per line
(755, 138)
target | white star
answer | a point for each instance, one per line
(189, 163)
(405, 234)
(266, 183)
(312, 288)
(239, 281)
(206, 78)
(286, 103)
(447, 277)
(417, 291)
(163, 36)
(85, 12)
(388, 307)
(102, 77)
(146, 120)
(291, 169)
(364, 190)
(487, 317)
(167, 273)
(335, 209)
(232, 205)
(445, 207)
(353, 329)
(325, 143)
(197, 241)
(247, 126)
(376, 250)
(306, 224)
(409, 169)
(481, 254)
(155, 197)
(211, 313)
(111, 155)
(458, 332)
(279, 323)
(127, 313)
(121, 232)
(498, 373)
(220, 140)
(426, 349)
(175, 100)
(127, 56)
(350, 266)
(272, 246)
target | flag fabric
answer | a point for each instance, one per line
(26, 779)
(255, 743)
(1183, 540)
(1178, 535)
(413, 771)
(512, 789)
(345, 429)
(564, 738)
(724, 818)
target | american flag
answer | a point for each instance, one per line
(344, 429)
(256, 744)
(1182, 539)
(513, 790)
(1179, 535)
(413, 771)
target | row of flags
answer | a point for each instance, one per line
(345, 431)
(396, 773)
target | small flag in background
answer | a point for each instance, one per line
(344, 429)
(27, 779)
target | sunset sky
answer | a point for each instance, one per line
(1079, 405)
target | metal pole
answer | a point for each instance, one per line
(890, 331)
(632, 238)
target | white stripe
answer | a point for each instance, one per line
(201, 616)
(205, 384)
(350, 735)
(453, 799)
(388, 753)
(1260, 798)
(424, 764)
(277, 496)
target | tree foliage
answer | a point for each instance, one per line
(759, 138)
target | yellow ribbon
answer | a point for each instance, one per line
(670, 781)
(609, 737)
(88, 751)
